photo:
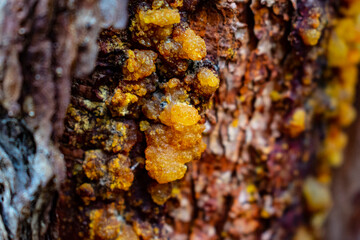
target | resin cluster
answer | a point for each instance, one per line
(142, 110)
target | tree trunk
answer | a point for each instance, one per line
(101, 117)
(43, 44)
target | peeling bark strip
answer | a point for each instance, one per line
(42, 44)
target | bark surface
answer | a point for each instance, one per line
(265, 126)
(43, 44)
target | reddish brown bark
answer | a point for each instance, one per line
(248, 183)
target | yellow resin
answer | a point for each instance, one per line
(120, 173)
(317, 195)
(93, 166)
(193, 46)
(106, 225)
(160, 17)
(297, 123)
(180, 113)
(140, 64)
(173, 145)
(209, 82)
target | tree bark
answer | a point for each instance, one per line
(43, 44)
(252, 181)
